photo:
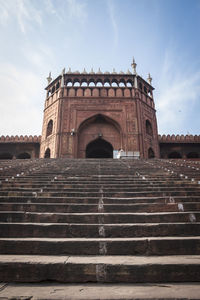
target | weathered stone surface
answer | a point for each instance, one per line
(99, 221)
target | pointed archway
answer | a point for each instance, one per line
(98, 136)
(99, 148)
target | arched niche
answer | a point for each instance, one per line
(49, 128)
(95, 127)
(47, 153)
(148, 126)
(151, 153)
(24, 155)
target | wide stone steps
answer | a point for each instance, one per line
(31, 268)
(110, 221)
(102, 246)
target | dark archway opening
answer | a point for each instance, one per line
(149, 129)
(47, 153)
(24, 155)
(6, 156)
(174, 155)
(99, 148)
(151, 153)
(49, 128)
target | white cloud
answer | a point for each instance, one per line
(77, 9)
(21, 101)
(27, 14)
(111, 10)
(22, 11)
(178, 93)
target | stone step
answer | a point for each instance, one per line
(103, 190)
(76, 269)
(101, 246)
(91, 291)
(95, 200)
(97, 185)
(86, 208)
(105, 193)
(94, 218)
(67, 230)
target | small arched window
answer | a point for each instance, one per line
(151, 153)
(129, 84)
(91, 83)
(122, 84)
(149, 129)
(49, 128)
(47, 153)
(84, 83)
(57, 85)
(114, 84)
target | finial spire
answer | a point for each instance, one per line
(134, 65)
(49, 78)
(62, 78)
(149, 79)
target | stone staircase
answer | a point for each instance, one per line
(100, 221)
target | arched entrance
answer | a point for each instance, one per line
(98, 136)
(99, 148)
(24, 155)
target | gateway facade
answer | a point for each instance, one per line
(89, 115)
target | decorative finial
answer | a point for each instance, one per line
(92, 71)
(114, 72)
(69, 71)
(99, 71)
(62, 78)
(149, 79)
(84, 71)
(134, 65)
(49, 79)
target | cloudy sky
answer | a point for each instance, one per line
(38, 36)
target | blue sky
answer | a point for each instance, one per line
(38, 36)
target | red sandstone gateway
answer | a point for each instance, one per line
(93, 115)
(90, 115)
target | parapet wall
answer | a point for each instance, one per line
(179, 138)
(20, 139)
(161, 138)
